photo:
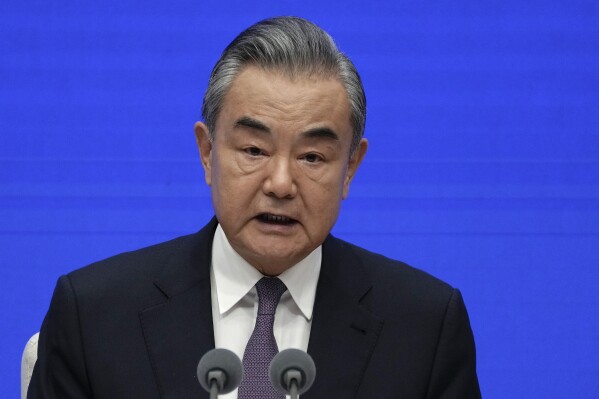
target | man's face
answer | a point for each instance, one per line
(279, 164)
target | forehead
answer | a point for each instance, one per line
(287, 103)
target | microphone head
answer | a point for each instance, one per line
(224, 361)
(292, 360)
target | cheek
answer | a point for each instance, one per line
(316, 174)
(325, 201)
(221, 187)
(323, 189)
(234, 193)
(245, 165)
(224, 172)
(329, 175)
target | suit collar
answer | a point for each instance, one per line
(178, 331)
(189, 262)
(344, 331)
(234, 277)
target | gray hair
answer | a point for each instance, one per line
(295, 46)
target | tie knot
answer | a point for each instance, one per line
(269, 292)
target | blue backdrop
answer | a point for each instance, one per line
(483, 168)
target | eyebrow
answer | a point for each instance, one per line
(318, 132)
(246, 121)
(321, 132)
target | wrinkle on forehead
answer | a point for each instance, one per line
(273, 99)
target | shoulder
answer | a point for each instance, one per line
(133, 264)
(131, 277)
(394, 284)
(425, 329)
(126, 270)
(384, 270)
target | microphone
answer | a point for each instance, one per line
(219, 371)
(292, 372)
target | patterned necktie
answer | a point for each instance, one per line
(262, 347)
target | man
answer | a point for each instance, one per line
(284, 117)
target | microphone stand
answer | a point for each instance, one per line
(213, 389)
(293, 389)
(292, 378)
(217, 381)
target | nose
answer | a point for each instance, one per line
(280, 182)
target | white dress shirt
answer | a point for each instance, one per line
(235, 300)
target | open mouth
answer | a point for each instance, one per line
(275, 219)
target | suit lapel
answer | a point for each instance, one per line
(344, 332)
(179, 330)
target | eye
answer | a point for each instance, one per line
(313, 158)
(253, 151)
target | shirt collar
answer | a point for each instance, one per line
(234, 277)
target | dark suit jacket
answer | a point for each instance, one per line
(136, 325)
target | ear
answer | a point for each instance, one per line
(205, 147)
(354, 161)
